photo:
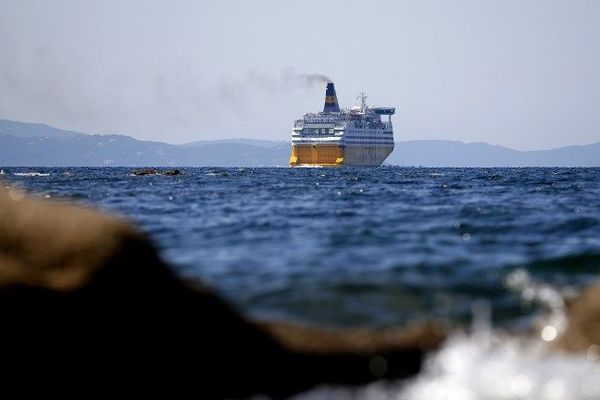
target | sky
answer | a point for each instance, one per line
(524, 74)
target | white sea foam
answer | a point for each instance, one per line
(491, 365)
(554, 322)
(31, 174)
(486, 366)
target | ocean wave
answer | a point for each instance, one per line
(584, 262)
(402, 250)
(495, 366)
(31, 174)
(487, 366)
(490, 364)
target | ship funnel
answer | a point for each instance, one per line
(331, 103)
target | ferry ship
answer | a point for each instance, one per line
(349, 137)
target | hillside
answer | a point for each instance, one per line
(26, 144)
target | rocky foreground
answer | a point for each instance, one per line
(85, 298)
(85, 294)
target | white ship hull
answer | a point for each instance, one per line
(366, 155)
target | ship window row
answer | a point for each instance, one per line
(356, 134)
(321, 131)
(387, 137)
(331, 131)
(371, 141)
(369, 136)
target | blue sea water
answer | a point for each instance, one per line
(358, 246)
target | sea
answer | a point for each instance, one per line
(380, 247)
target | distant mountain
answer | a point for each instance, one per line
(26, 129)
(446, 153)
(26, 144)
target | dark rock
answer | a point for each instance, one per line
(144, 172)
(150, 171)
(85, 298)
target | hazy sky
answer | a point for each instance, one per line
(525, 74)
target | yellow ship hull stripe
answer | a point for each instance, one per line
(317, 155)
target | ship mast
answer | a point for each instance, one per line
(363, 101)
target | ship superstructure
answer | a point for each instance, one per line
(349, 137)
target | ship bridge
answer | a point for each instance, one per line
(384, 110)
